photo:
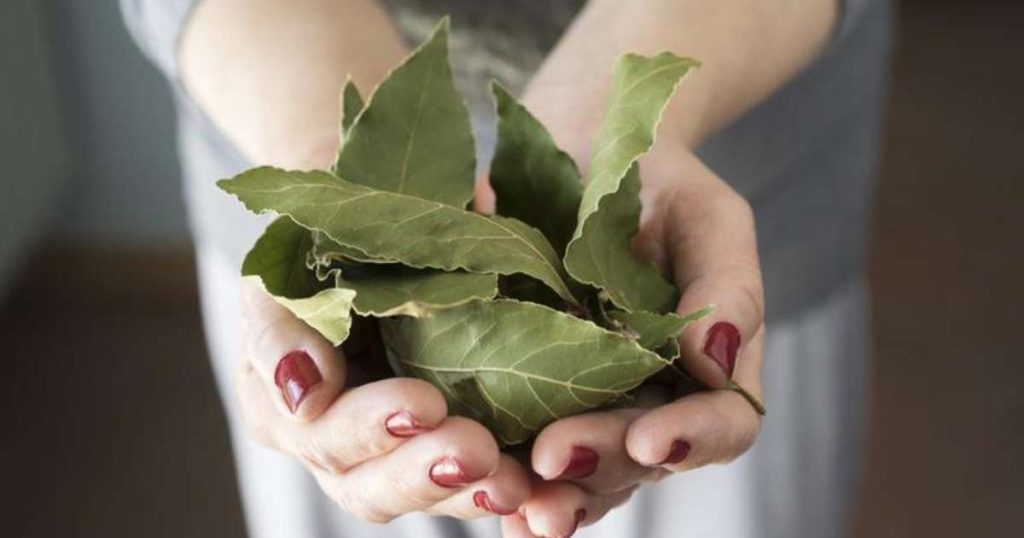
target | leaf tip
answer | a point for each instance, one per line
(441, 31)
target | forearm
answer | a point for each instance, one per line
(269, 72)
(748, 49)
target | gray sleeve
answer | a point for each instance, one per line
(850, 13)
(156, 27)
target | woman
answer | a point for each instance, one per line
(782, 119)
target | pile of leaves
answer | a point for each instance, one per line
(539, 312)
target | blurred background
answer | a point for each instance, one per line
(111, 426)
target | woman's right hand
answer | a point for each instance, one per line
(379, 449)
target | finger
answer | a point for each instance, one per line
(484, 200)
(559, 508)
(420, 473)
(590, 450)
(363, 423)
(702, 428)
(713, 252)
(515, 526)
(499, 494)
(302, 370)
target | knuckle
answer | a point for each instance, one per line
(753, 294)
(351, 501)
(737, 206)
(738, 426)
(373, 514)
(314, 451)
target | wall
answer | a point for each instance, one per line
(32, 138)
(124, 188)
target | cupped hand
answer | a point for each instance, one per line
(379, 449)
(701, 232)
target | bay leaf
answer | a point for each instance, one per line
(656, 331)
(394, 290)
(351, 105)
(277, 261)
(414, 134)
(413, 231)
(515, 366)
(329, 311)
(533, 180)
(326, 251)
(599, 252)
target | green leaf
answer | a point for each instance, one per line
(351, 105)
(415, 232)
(533, 180)
(397, 290)
(599, 253)
(656, 331)
(278, 258)
(517, 367)
(414, 135)
(326, 251)
(278, 261)
(329, 312)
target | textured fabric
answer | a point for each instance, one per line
(804, 159)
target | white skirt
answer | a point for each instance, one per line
(798, 480)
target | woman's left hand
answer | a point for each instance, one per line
(700, 231)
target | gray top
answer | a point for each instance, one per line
(805, 158)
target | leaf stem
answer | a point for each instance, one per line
(732, 386)
(750, 398)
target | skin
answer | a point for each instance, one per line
(277, 99)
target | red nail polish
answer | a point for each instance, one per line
(447, 472)
(483, 501)
(295, 375)
(403, 424)
(676, 453)
(582, 463)
(580, 514)
(721, 344)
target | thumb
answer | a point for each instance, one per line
(710, 240)
(301, 370)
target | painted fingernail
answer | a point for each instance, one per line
(403, 424)
(447, 472)
(295, 375)
(582, 463)
(580, 514)
(483, 501)
(676, 453)
(721, 344)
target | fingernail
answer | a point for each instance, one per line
(483, 501)
(447, 472)
(721, 344)
(403, 424)
(676, 453)
(295, 375)
(582, 463)
(580, 514)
